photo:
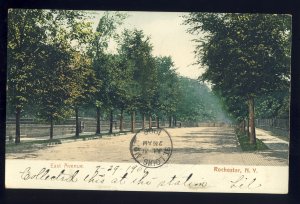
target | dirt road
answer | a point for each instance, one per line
(200, 145)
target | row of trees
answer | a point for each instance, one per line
(57, 65)
(246, 58)
(47, 63)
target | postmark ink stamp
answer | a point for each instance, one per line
(152, 147)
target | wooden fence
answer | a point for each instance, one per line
(32, 129)
(278, 123)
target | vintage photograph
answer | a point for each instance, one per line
(150, 90)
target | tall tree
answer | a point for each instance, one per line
(246, 54)
(136, 48)
(54, 84)
(110, 93)
(168, 88)
(106, 31)
(26, 33)
(83, 85)
(124, 77)
(51, 86)
(39, 59)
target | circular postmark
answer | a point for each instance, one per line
(152, 147)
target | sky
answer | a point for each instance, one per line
(168, 36)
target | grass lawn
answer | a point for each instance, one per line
(31, 146)
(244, 143)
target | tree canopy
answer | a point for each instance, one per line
(245, 55)
(59, 66)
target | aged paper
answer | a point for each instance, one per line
(148, 101)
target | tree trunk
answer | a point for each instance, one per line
(133, 121)
(121, 121)
(150, 121)
(77, 122)
(111, 119)
(243, 125)
(51, 128)
(157, 122)
(252, 120)
(175, 121)
(98, 128)
(248, 129)
(18, 132)
(170, 121)
(143, 121)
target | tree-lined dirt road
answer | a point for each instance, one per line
(199, 145)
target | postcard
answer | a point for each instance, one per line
(148, 101)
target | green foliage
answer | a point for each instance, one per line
(51, 84)
(274, 105)
(197, 102)
(235, 106)
(105, 65)
(167, 88)
(105, 32)
(24, 40)
(108, 73)
(137, 50)
(83, 84)
(62, 73)
(40, 56)
(245, 55)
